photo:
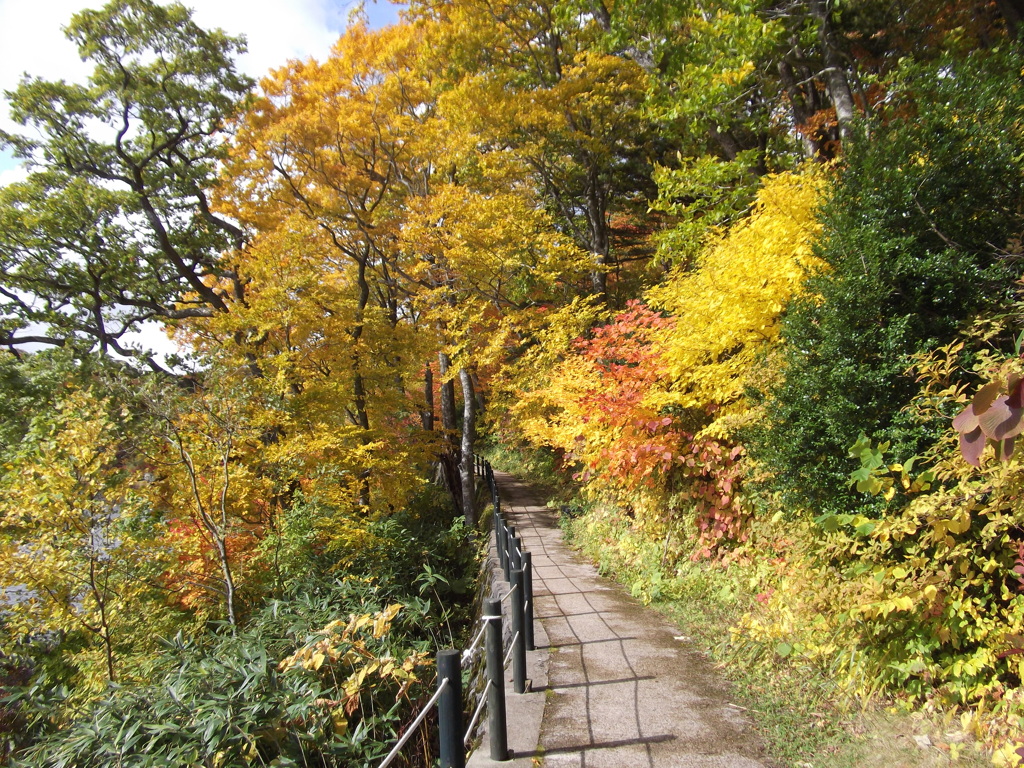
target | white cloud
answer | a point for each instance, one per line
(275, 31)
(11, 175)
(152, 337)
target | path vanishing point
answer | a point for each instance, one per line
(613, 685)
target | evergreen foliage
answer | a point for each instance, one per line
(917, 234)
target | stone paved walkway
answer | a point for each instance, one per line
(622, 688)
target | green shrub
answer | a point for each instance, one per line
(916, 232)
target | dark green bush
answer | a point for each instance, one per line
(926, 205)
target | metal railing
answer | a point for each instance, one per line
(518, 569)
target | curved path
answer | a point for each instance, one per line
(621, 689)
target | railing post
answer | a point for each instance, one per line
(528, 600)
(510, 539)
(517, 552)
(449, 709)
(518, 639)
(499, 539)
(496, 675)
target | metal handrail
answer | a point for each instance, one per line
(476, 714)
(495, 684)
(511, 647)
(508, 594)
(415, 724)
(468, 653)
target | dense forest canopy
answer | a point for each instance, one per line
(733, 265)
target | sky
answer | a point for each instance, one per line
(277, 30)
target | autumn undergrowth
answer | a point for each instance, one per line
(325, 672)
(799, 705)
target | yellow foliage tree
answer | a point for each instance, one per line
(80, 549)
(379, 242)
(322, 169)
(536, 99)
(483, 261)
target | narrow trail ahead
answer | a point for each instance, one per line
(622, 691)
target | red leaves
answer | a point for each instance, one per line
(712, 477)
(629, 445)
(992, 416)
(625, 347)
(633, 444)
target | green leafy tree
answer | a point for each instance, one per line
(113, 226)
(79, 545)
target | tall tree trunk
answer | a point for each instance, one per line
(730, 147)
(216, 531)
(481, 402)
(99, 594)
(427, 414)
(229, 579)
(601, 15)
(449, 423)
(800, 109)
(598, 224)
(362, 418)
(835, 73)
(466, 466)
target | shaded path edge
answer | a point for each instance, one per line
(683, 718)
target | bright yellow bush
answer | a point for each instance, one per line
(728, 307)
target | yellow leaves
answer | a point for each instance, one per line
(340, 721)
(79, 543)
(728, 307)
(901, 603)
(733, 77)
(347, 645)
(477, 256)
(326, 137)
(340, 641)
(1007, 755)
(382, 621)
(602, 87)
(507, 87)
(882, 608)
(943, 530)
